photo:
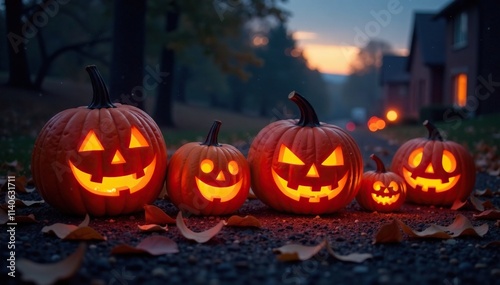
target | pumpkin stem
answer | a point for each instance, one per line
(434, 133)
(308, 116)
(380, 164)
(213, 134)
(100, 97)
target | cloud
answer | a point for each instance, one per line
(303, 35)
(330, 58)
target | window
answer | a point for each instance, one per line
(460, 30)
(460, 89)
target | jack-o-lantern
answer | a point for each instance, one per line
(103, 159)
(304, 166)
(208, 178)
(381, 190)
(436, 172)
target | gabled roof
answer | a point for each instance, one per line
(429, 34)
(393, 69)
(455, 7)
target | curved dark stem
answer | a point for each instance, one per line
(100, 97)
(308, 116)
(380, 164)
(434, 133)
(213, 134)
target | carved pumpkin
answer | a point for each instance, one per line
(103, 159)
(436, 172)
(304, 166)
(381, 190)
(208, 178)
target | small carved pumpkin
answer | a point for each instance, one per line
(208, 178)
(381, 190)
(103, 159)
(436, 172)
(304, 166)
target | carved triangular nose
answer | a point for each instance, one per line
(118, 158)
(313, 172)
(429, 169)
(220, 176)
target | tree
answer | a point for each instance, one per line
(127, 64)
(361, 88)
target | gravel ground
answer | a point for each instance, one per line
(245, 256)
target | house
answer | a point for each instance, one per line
(426, 64)
(394, 80)
(472, 69)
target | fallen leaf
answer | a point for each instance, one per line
(199, 237)
(488, 215)
(484, 193)
(458, 205)
(297, 252)
(4, 218)
(497, 223)
(45, 274)
(491, 244)
(19, 184)
(247, 221)
(389, 233)
(29, 219)
(353, 257)
(155, 215)
(84, 233)
(473, 203)
(461, 226)
(152, 228)
(251, 194)
(153, 245)
(72, 232)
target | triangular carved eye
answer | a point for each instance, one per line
(335, 158)
(287, 156)
(91, 143)
(137, 139)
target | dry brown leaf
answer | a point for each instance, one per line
(153, 245)
(45, 274)
(461, 226)
(473, 203)
(200, 237)
(72, 232)
(491, 244)
(298, 252)
(247, 221)
(152, 228)
(352, 257)
(155, 215)
(84, 233)
(251, 194)
(19, 184)
(488, 215)
(458, 205)
(389, 233)
(29, 219)
(24, 203)
(484, 193)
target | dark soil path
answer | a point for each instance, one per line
(245, 256)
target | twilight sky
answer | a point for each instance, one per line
(331, 31)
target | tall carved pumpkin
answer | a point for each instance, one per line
(208, 178)
(381, 190)
(304, 166)
(102, 159)
(436, 172)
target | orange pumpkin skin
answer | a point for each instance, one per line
(436, 172)
(381, 190)
(208, 178)
(304, 166)
(100, 144)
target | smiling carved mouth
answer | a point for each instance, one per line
(428, 183)
(306, 191)
(210, 192)
(111, 186)
(385, 200)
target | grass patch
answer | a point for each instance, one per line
(469, 132)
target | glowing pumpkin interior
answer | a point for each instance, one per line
(385, 195)
(220, 187)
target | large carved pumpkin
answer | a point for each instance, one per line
(436, 172)
(208, 178)
(381, 190)
(102, 159)
(304, 166)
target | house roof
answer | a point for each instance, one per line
(429, 34)
(455, 7)
(393, 69)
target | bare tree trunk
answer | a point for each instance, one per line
(19, 74)
(127, 63)
(164, 103)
